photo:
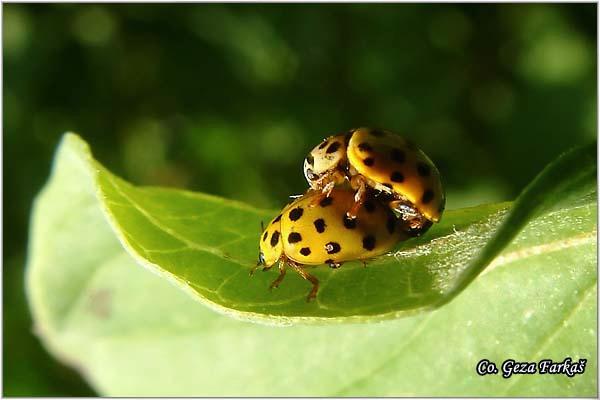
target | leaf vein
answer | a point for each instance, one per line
(169, 231)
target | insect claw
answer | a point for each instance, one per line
(311, 296)
(350, 215)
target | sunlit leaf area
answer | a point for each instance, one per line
(128, 244)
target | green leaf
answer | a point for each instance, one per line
(207, 245)
(133, 333)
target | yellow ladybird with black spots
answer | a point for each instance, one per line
(309, 233)
(386, 162)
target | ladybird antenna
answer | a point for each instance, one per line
(262, 226)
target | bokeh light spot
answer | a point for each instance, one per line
(94, 26)
(16, 31)
(558, 57)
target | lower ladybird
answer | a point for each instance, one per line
(306, 235)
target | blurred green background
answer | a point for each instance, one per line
(228, 99)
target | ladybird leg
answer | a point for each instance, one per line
(328, 188)
(316, 200)
(417, 223)
(253, 269)
(267, 267)
(321, 194)
(357, 183)
(335, 178)
(325, 186)
(317, 188)
(304, 274)
(282, 270)
(261, 261)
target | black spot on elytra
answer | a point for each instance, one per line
(377, 132)
(310, 159)
(333, 147)
(369, 242)
(397, 176)
(265, 236)
(326, 201)
(369, 206)
(391, 224)
(320, 225)
(369, 161)
(296, 213)
(349, 223)
(294, 237)
(365, 147)
(305, 251)
(427, 196)
(277, 219)
(423, 169)
(332, 247)
(397, 155)
(274, 238)
(322, 145)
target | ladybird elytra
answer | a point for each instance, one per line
(309, 234)
(400, 164)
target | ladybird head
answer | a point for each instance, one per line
(261, 256)
(270, 247)
(261, 259)
(325, 158)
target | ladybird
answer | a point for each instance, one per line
(304, 235)
(386, 162)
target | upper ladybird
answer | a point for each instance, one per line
(386, 162)
(305, 233)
